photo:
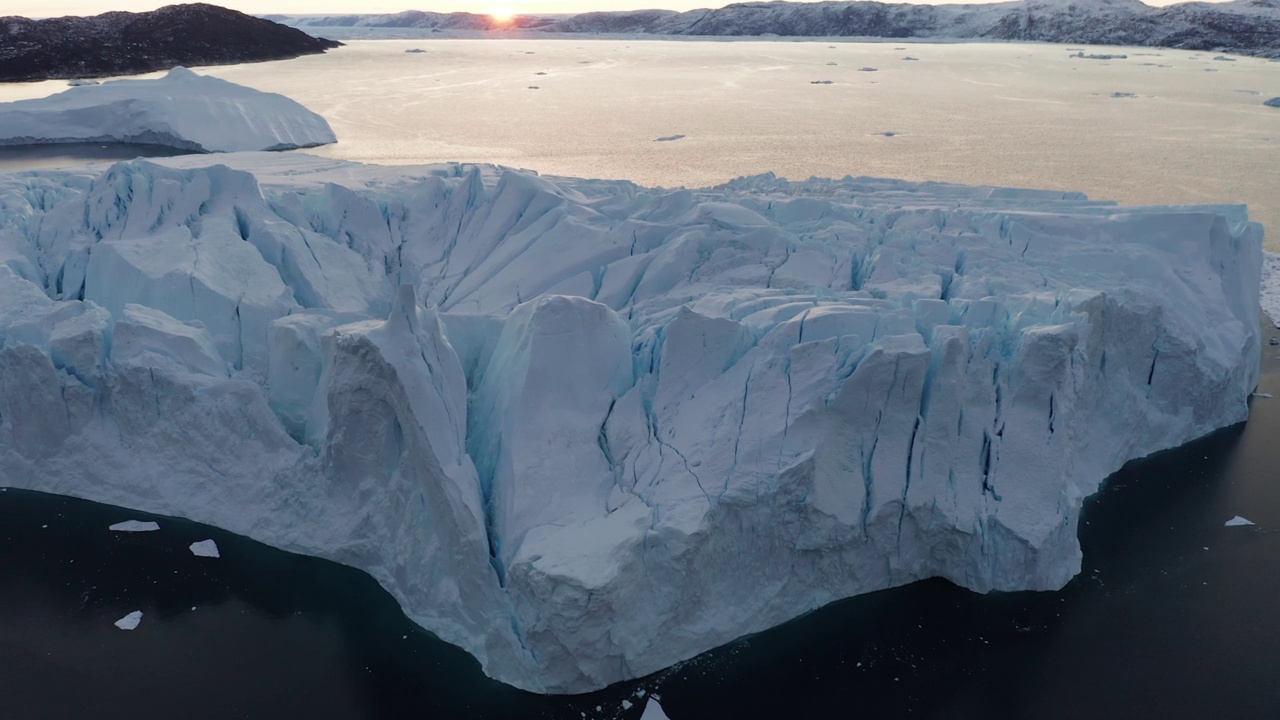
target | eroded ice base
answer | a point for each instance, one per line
(586, 430)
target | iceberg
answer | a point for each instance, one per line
(183, 109)
(586, 430)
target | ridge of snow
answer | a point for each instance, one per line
(584, 429)
(182, 109)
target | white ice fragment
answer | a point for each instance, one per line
(205, 548)
(1265, 396)
(1238, 521)
(626, 704)
(653, 711)
(130, 621)
(135, 526)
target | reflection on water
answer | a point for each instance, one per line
(63, 155)
(1173, 616)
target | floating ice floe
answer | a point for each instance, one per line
(653, 711)
(135, 526)
(1238, 521)
(130, 621)
(205, 548)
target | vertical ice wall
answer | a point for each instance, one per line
(585, 430)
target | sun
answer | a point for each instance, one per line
(501, 15)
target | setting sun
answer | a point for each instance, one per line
(501, 15)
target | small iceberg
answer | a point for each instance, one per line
(820, 82)
(205, 548)
(1224, 58)
(183, 109)
(130, 621)
(1273, 102)
(1123, 95)
(135, 526)
(79, 82)
(415, 50)
(653, 711)
(669, 138)
(1100, 56)
(1265, 396)
(867, 69)
(1238, 521)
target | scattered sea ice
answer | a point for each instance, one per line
(205, 548)
(1238, 521)
(135, 526)
(130, 621)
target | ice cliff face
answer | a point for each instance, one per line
(182, 109)
(585, 430)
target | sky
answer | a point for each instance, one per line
(52, 8)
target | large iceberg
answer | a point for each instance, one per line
(182, 110)
(585, 429)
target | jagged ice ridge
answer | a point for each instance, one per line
(585, 429)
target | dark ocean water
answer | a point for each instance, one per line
(64, 155)
(1174, 616)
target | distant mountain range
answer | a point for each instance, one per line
(120, 43)
(1247, 27)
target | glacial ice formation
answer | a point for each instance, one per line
(182, 110)
(584, 429)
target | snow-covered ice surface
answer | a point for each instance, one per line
(585, 429)
(205, 548)
(130, 621)
(135, 526)
(182, 109)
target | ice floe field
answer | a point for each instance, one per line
(1013, 115)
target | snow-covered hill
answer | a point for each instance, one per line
(122, 43)
(585, 429)
(1250, 27)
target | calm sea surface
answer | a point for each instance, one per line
(1187, 128)
(1174, 615)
